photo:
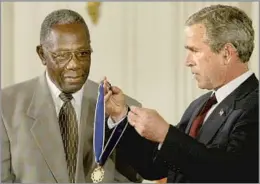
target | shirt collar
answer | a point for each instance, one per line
(225, 90)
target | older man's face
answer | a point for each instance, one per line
(206, 65)
(68, 56)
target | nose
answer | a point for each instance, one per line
(189, 61)
(73, 63)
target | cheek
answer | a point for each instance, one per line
(86, 66)
(201, 61)
(213, 68)
(55, 71)
(205, 66)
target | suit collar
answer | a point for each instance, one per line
(227, 89)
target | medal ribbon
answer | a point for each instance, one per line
(101, 153)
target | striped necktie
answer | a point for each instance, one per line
(69, 132)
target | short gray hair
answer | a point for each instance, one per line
(226, 24)
(59, 17)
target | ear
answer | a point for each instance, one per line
(40, 53)
(229, 52)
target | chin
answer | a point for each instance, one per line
(202, 86)
(72, 88)
(205, 87)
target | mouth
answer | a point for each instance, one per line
(73, 78)
(195, 75)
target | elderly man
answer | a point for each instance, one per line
(216, 139)
(47, 122)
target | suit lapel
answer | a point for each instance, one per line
(214, 122)
(46, 131)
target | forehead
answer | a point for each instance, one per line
(195, 34)
(69, 36)
(196, 31)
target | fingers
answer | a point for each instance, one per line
(109, 87)
(132, 118)
(106, 85)
(107, 95)
(115, 89)
(136, 121)
(137, 110)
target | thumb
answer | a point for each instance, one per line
(115, 89)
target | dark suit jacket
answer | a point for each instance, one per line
(226, 149)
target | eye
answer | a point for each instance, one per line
(84, 53)
(61, 55)
(194, 50)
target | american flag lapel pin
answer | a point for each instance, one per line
(221, 112)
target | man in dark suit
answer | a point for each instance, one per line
(47, 122)
(216, 139)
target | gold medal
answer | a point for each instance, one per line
(98, 174)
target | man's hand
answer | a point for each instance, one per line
(148, 123)
(114, 101)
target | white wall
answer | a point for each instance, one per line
(138, 46)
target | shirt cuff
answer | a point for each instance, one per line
(160, 146)
(111, 124)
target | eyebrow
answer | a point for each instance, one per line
(80, 48)
(190, 48)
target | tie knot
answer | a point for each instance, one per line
(65, 97)
(212, 100)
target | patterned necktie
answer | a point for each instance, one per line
(69, 133)
(198, 121)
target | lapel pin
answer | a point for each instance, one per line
(221, 112)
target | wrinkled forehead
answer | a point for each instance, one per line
(69, 36)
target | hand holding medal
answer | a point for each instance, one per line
(115, 105)
(110, 101)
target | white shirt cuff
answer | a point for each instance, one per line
(111, 124)
(160, 146)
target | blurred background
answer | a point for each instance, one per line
(139, 46)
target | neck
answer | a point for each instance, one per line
(233, 71)
(236, 71)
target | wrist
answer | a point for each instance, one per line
(120, 116)
(164, 133)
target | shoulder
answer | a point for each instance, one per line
(250, 103)
(18, 92)
(21, 87)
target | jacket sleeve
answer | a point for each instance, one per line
(142, 154)
(7, 175)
